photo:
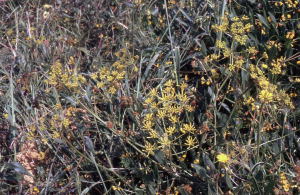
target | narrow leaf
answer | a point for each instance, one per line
(89, 144)
(19, 168)
(263, 20)
(208, 162)
(269, 187)
(228, 181)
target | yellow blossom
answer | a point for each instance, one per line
(149, 148)
(223, 158)
(190, 142)
(164, 142)
(55, 135)
(46, 15)
(170, 130)
(265, 96)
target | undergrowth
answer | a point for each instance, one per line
(149, 97)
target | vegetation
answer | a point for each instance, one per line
(149, 97)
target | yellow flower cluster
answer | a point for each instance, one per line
(223, 27)
(62, 77)
(290, 35)
(277, 65)
(265, 96)
(290, 3)
(163, 109)
(237, 29)
(285, 183)
(271, 43)
(223, 158)
(283, 97)
(237, 64)
(250, 101)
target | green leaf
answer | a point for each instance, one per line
(203, 48)
(288, 52)
(117, 193)
(156, 172)
(245, 78)
(160, 157)
(200, 171)
(210, 191)
(259, 175)
(287, 44)
(86, 190)
(269, 187)
(276, 148)
(12, 177)
(225, 106)
(183, 191)
(128, 4)
(183, 165)
(177, 62)
(150, 65)
(208, 162)
(272, 53)
(19, 168)
(187, 16)
(89, 144)
(78, 182)
(151, 189)
(237, 189)
(272, 17)
(288, 131)
(263, 20)
(228, 181)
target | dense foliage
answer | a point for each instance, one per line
(149, 97)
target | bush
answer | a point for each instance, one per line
(159, 97)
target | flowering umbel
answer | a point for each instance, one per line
(223, 158)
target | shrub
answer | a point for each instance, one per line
(139, 97)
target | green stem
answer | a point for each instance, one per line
(258, 133)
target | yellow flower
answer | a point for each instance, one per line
(161, 114)
(100, 85)
(184, 85)
(148, 117)
(110, 78)
(189, 127)
(55, 135)
(46, 15)
(265, 96)
(164, 142)
(149, 148)
(174, 119)
(66, 122)
(169, 83)
(94, 75)
(264, 65)
(149, 100)
(190, 142)
(182, 97)
(112, 90)
(245, 17)
(148, 125)
(223, 158)
(170, 130)
(44, 140)
(41, 155)
(47, 6)
(264, 83)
